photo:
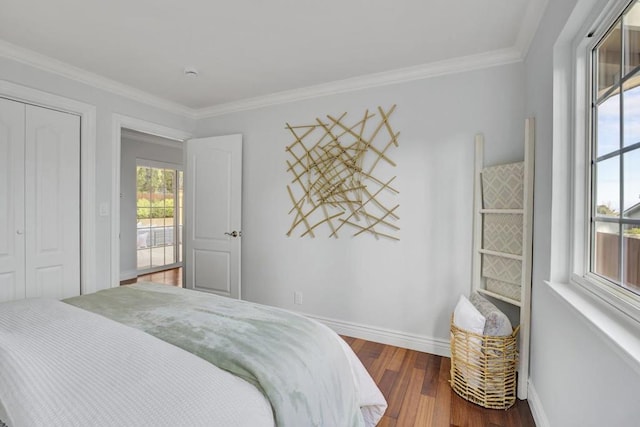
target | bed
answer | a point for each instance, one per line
(155, 355)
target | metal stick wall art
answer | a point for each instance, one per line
(341, 176)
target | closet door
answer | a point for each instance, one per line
(12, 284)
(52, 203)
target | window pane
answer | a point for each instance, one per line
(615, 178)
(143, 216)
(608, 187)
(157, 213)
(606, 258)
(180, 212)
(157, 256)
(144, 222)
(631, 202)
(158, 200)
(609, 56)
(143, 200)
(144, 259)
(143, 238)
(167, 237)
(158, 191)
(631, 21)
(632, 258)
(143, 181)
(608, 113)
(631, 98)
(169, 182)
(169, 254)
(168, 232)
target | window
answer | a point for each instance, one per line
(615, 154)
(159, 216)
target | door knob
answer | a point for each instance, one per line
(234, 233)
(19, 232)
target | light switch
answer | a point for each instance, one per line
(104, 209)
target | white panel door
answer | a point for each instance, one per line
(213, 186)
(52, 203)
(12, 283)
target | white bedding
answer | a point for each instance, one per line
(306, 371)
(64, 366)
(372, 402)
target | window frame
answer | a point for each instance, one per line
(590, 35)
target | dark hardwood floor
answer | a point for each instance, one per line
(415, 384)
(418, 393)
(171, 277)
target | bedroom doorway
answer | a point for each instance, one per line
(212, 204)
(150, 199)
(159, 207)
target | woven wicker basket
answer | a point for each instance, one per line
(483, 368)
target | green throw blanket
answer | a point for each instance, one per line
(298, 364)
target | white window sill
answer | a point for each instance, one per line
(614, 326)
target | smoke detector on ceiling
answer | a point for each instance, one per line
(191, 72)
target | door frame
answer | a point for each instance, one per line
(87, 114)
(120, 121)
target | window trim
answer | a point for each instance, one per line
(595, 28)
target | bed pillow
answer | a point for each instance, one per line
(468, 317)
(496, 322)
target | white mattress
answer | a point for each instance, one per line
(63, 366)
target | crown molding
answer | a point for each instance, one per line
(402, 75)
(529, 26)
(46, 63)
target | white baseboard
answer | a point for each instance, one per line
(387, 336)
(127, 275)
(539, 416)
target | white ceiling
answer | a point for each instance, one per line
(246, 49)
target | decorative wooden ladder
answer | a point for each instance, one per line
(480, 252)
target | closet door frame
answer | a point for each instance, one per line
(87, 114)
(12, 177)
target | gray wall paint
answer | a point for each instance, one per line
(132, 150)
(410, 285)
(579, 378)
(106, 105)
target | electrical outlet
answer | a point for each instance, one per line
(297, 297)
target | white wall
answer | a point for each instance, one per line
(132, 150)
(578, 377)
(106, 104)
(409, 286)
